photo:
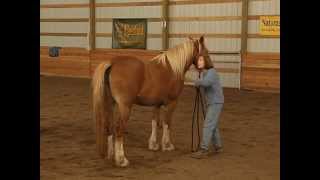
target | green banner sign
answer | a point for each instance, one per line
(129, 33)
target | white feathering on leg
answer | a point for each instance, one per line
(120, 159)
(110, 147)
(153, 137)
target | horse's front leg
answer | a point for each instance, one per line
(153, 145)
(166, 126)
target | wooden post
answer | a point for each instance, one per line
(92, 33)
(165, 24)
(92, 30)
(244, 35)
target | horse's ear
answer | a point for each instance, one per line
(201, 40)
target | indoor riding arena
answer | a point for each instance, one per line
(243, 42)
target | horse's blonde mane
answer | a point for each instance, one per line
(177, 57)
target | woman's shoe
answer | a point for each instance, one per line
(201, 153)
(218, 149)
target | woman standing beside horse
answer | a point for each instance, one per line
(210, 82)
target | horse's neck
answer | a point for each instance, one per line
(166, 70)
(178, 80)
(182, 72)
(166, 64)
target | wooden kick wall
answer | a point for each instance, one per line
(73, 62)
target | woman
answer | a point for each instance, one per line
(210, 82)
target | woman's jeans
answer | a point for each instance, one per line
(210, 126)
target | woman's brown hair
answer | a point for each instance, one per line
(207, 60)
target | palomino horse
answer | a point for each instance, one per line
(125, 80)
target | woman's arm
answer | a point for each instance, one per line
(205, 81)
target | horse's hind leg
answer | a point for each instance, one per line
(120, 159)
(110, 133)
(166, 142)
(153, 145)
(110, 130)
(110, 146)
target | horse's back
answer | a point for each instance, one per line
(135, 81)
(126, 78)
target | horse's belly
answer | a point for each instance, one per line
(150, 101)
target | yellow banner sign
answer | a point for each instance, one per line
(270, 25)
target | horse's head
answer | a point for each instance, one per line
(200, 49)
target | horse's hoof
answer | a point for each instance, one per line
(123, 163)
(168, 147)
(154, 146)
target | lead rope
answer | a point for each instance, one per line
(196, 113)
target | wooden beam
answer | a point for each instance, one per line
(128, 4)
(63, 34)
(83, 5)
(262, 36)
(154, 35)
(202, 2)
(212, 35)
(244, 34)
(206, 18)
(261, 67)
(226, 62)
(154, 19)
(260, 0)
(220, 70)
(110, 35)
(65, 20)
(227, 70)
(110, 19)
(244, 26)
(165, 24)
(103, 34)
(103, 19)
(262, 55)
(92, 31)
(257, 17)
(64, 75)
(236, 53)
(136, 52)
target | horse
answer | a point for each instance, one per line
(124, 81)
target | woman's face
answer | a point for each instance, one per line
(201, 62)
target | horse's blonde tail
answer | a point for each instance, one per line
(102, 105)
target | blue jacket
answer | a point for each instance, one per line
(213, 90)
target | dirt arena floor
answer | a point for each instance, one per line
(250, 129)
